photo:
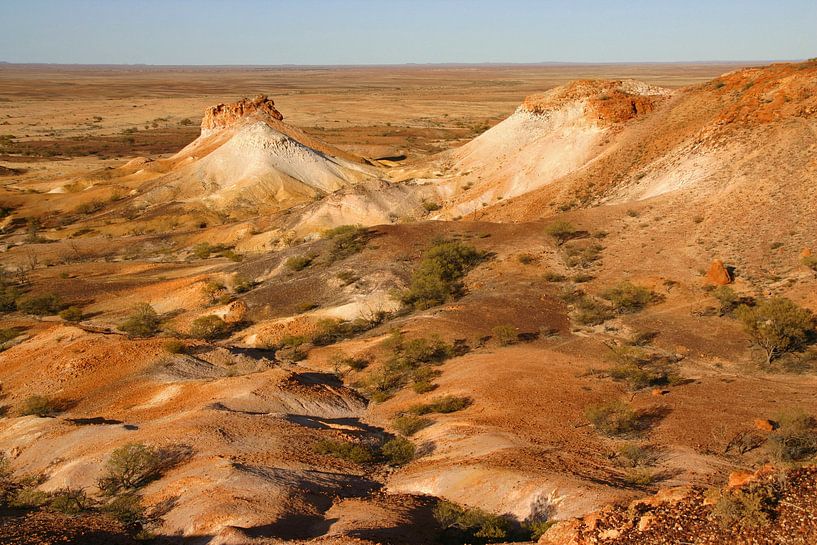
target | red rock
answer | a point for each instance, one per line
(224, 115)
(718, 274)
(740, 478)
(765, 424)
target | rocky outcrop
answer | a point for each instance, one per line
(718, 274)
(690, 514)
(609, 102)
(223, 115)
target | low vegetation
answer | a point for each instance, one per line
(562, 231)
(505, 334)
(71, 314)
(613, 418)
(626, 297)
(777, 326)
(396, 451)
(45, 304)
(143, 321)
(748, 506)
(442, 405)
(209, 327)
(471, 525)
(347, 240)
(642, 368)
(438, 278)
(410, 361)
(39, 405)
(299, 262)
(795, 438)
(409, 424)
(582, 256)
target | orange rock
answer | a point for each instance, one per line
(740, 478)
(658, 392)
(646, 522)
(564, 532)
(806, 252)
(718, 273)
(224, 115)
(765, 424)
(236, 312)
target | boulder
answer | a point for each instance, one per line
(235, 312)
(718, 274)
(764, 424)
(565, 532)
(805, 253)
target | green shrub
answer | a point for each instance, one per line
(353, 452)
(431, 206)
(810, 262)
(8, 334)
(777, 326)
(89, 207)
(640, 368)
(505, 334)
(347, 240)
(438, 278)
(398, 451)
(443, 405)
(551, 276)
(526, 259)
(471, 525)
(590, 311)
(142, 322)
(561, 231)
(131, 467)
(409, 424)
(795, 438)
(41, 406)
(8, 298)
(613, 418)
(582, 256)
(202, 250)
(242, 284)
(749, 506)
(40, 305)
(127, 508)
(298, 262)
(633, 455)
(209, 327)
(174, 346)
(71, 501)
(626, 297)
(409, 361)
(71, 314)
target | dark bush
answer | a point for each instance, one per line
(71, 314)
(41, 406)
(353, 452)
(777, 326)
(209, 327)
(409, 424)
(40, 305)
(299, 262)
(398, 451)
(142, 322)
(795, 438)
(347, 240)
(438, 278)
(613, 418)
(561, 231)
(626, 297)
(131, 467)
(443, 405)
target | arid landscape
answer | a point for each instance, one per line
(569, 304)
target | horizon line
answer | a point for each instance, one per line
(406, 64)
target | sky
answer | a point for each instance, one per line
(324, 32)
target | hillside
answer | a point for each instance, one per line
(522, 338)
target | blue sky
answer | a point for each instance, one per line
(404, 31)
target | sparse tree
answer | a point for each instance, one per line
(777, 326)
